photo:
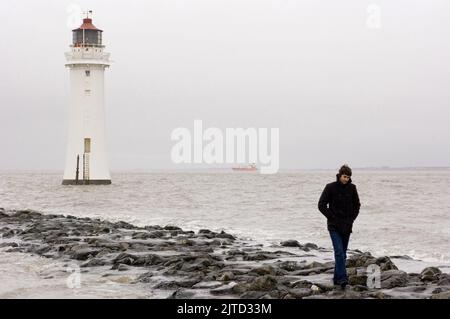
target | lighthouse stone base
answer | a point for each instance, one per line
(86, 182)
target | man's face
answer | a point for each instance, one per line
(344, 179)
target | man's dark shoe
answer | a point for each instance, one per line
(343, 284)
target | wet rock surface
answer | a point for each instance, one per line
(187, 264)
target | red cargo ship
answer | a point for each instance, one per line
(249, 168)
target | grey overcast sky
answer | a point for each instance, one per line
(339, 88)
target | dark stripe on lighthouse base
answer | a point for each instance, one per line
(86, 182)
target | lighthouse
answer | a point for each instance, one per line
(86, 156)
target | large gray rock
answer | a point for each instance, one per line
(430, 274)
(290, 243)
(438, 290)
(385, 263)
(301, 284)
(223, 234)
(84, 253)
(224, 290)
(226, 276)
(9, 244)
(393, 278)
(145, 277)
(324, 287)
(263, 283)
(264, 270)
(181, 294)
(95, 262)
(360, 260)
(316, 264)
(300, 292)
(311, 271)
(147, 235)
(126, 259)
(253, 294)
(444, 280)
(310, 246)
(257, 256)
(379, 295)
(442, 295)
(185, 283)
(358, 280)
(413, 289)
(290, 265)
(366, 259)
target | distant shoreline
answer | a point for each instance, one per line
(229, 170)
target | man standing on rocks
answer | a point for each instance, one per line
(339, 203)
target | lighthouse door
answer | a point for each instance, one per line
(87, 145)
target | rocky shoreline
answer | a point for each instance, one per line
(207, 264)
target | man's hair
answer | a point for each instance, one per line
(345, 170)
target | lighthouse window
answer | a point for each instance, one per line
(88, 73)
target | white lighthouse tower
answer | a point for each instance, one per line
(86, 158)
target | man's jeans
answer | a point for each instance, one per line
(340, 244)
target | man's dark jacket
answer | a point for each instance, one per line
(340, 204)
